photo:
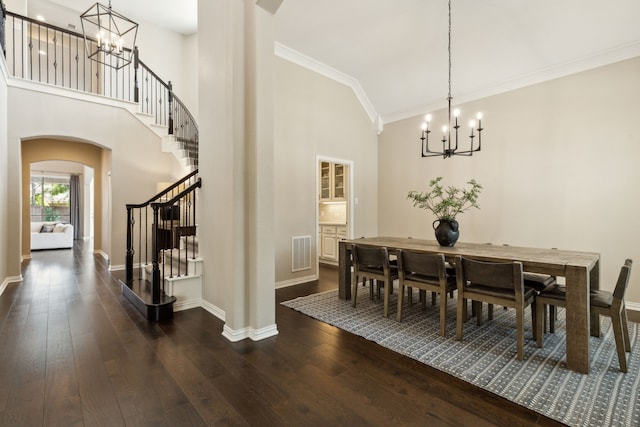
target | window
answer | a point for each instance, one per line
(49, 198)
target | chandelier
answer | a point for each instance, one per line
(450, 140)
(109, 37)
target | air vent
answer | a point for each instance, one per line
(300, 253)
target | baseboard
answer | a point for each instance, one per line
(25, 257)
(118, 267)
(633, 311)
(186, 305)
(262, 333)
(296, 281)
(5, 283)
(235, 335)
(216, 311)
(248, 332)
(102, 254)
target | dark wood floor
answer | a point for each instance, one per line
(74, 352)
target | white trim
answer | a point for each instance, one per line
(263, 333)
(632, 306)
(620, 53)
(309, 63)
(248, 332)
(5, 71)
(8, 280)
(216, 311)
(186, 305)
(235, 336)
(296, 281)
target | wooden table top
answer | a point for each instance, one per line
(541, 260)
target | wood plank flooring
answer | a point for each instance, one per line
(73, 352)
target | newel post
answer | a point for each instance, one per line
(155, 272)
(129, 255)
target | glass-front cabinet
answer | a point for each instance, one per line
(333, 182)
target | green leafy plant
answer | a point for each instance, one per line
(446, 203)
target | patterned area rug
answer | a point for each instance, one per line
(486, 356)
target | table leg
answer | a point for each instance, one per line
(578, 314)
(594, 281)
(344, 271)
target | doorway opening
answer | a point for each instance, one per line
(334, 206)
(62, 192)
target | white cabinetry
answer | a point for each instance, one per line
(329, 237)
(333, 182)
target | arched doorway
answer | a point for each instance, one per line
(61, 152)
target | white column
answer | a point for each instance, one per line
(236, 165)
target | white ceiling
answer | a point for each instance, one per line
(396, 50)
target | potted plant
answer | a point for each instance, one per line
(446, 204)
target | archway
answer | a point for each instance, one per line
(48, 149)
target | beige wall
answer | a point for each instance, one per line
(316, 116)
(37, 150)
(559, 166)
(132, 162)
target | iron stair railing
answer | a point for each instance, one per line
(44, 53)
(161, 226)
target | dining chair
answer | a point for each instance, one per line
(372, 262)
(601, 302)
(426, 272)
(493, 283)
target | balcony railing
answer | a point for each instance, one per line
(47, 54)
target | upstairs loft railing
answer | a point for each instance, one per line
(3, 13)
(44, 53)
(162, 232)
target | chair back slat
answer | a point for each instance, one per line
(623, 280)
(431, 265)
(371, 256)
(506, 275)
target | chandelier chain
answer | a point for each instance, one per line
(449, 49)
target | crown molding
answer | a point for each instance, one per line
(607, 57)
(298, 58)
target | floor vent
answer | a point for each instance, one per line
(300, 253)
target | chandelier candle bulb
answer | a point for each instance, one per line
(450, 149)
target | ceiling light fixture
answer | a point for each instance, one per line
(115, 36)
(448, 149)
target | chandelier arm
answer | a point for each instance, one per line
(449, 150)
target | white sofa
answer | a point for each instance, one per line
(60, 236)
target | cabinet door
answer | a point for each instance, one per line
(325, 180)
(339, 181)
(329, 246)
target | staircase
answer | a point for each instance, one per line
(182, 271)
(163, 271)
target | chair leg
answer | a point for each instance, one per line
(387, 292)
(443, 313)
(540, 308)
(423, 298)
(616, 322)
(478, 307)
(520, 329)
(460, 317)
(534, 320)
(625, 327)
(553, 313)
(490, 312)
(400, 302)
(354, 290)
(433, 298)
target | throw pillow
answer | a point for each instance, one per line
(59, 228)
(46, 228)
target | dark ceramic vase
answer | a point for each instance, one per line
(447, 232)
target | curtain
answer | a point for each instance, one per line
(74, 206)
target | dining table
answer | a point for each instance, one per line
(581, 272)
